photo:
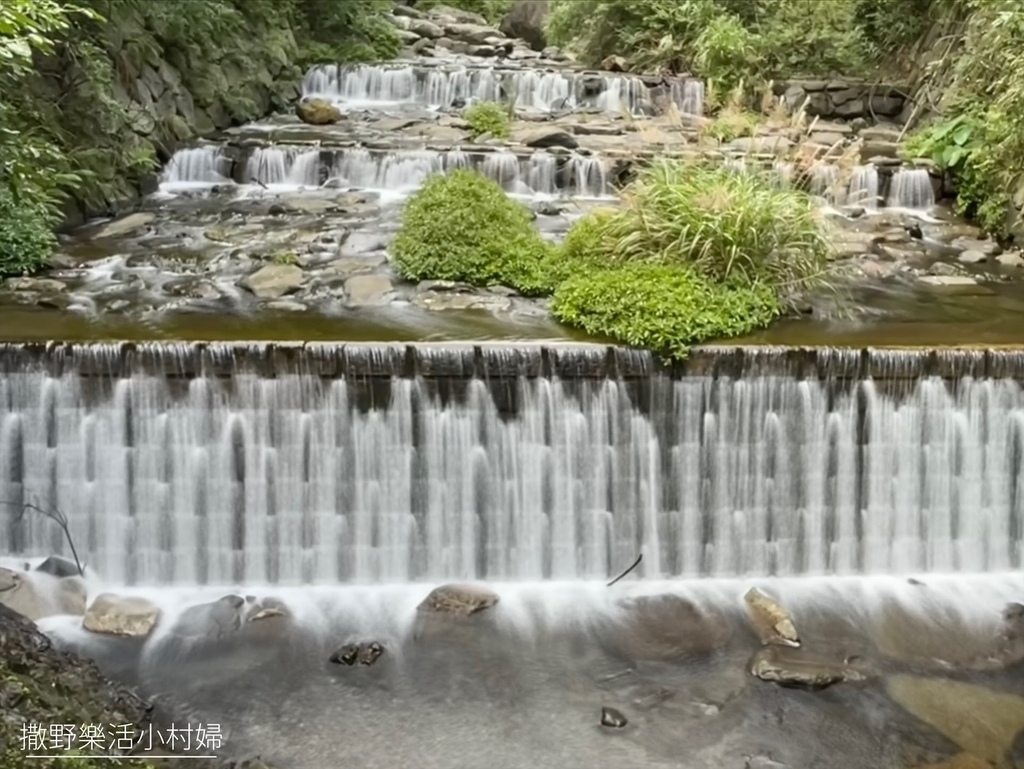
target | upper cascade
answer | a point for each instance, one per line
(455, 85)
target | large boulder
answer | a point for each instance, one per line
(37, 595)
(526, 20)
(121, 615)
(318, 112)
(474, 34)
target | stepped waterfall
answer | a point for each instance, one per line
(295, 464)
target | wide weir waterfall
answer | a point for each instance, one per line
(293, 464)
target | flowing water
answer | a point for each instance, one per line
(388, 463)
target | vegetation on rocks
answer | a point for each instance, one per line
(722, 39)
(698, 252)
(487, 117)
(96, 93)
(462, 227)
(492, 11)
(978, 135)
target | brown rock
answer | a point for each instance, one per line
(458, 600)
(526, 20)
(793, 668)
(318, 112)
(773, 623)
(121, 615)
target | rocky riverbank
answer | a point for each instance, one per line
(915, 674)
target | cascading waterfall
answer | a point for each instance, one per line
(196, 165)
(180, 463)
(531, 89)
(284, 166)
(863, 189)
(824, 183)
(688, 95)
(911, 188)
(366, 169)
(588, 177)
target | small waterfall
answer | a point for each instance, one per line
(824, 183)
(541, 172)
(688, 95)
(911, 188)
(284, 166)
(395, 171)
(588, 178)
(198, 165)
(864, 187)
(444, 88)
(209, 464)
(783, 173)
(503, 167)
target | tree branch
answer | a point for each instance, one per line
(627, 571)
(57, 517)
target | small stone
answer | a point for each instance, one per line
(59, 567)
(794, 669)
(124, 226)
(612, 718)
(273, 280)
(346, 655)
(368, 290)
(1011, 260)
(369, 653)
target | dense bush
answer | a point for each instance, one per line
(461, 226)
(26, 234)
(487, 117)
(729, 39)
(979, 138)
(661, 307)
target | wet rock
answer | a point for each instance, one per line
(425, 28)
(615, 64)
(956, 282)
(346, 655)
(40, 285)
(775, 143)
(597, 129)
(942, 268)
(317, 112)
(669, 627)
(1011, 260)
(458, 600)
(980, 721)
(612, 718)
(449, 14)
(370, 652)
(124, 225)
(548, 137)
(364, 652)
(987, 247)
(211, 621)
(57, 566)
(474, 34)
(121, 615)
(773, 623)
(972, 257)
(273, 280)
(264, 608)
(792, 668)
(368, 291)
(37, 595)
(441, 301)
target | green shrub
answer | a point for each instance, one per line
(661, 307)
(585, 248)
(26, 235)
(462, 226)
(487, 117)
(736, 228)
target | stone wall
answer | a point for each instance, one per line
(844, 99)
(172, 97)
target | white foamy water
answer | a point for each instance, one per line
(911, 188)
(372, 85)
(227, 475)
(195, 168)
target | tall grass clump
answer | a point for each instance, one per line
(699, 252)
(462, 226)
(736, 228)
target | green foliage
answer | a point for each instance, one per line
(733, 40)
(461, 226)
(661, 307)
(26, 235)
(736, 228)
(980, 138)
(487, 117)
(336, 32)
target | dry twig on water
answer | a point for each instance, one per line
(627, 571)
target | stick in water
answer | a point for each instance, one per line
(60, 519)
(627, 571)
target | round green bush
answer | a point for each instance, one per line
(462, 226)
(26, 235)
(487, 117)
(664, 308)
